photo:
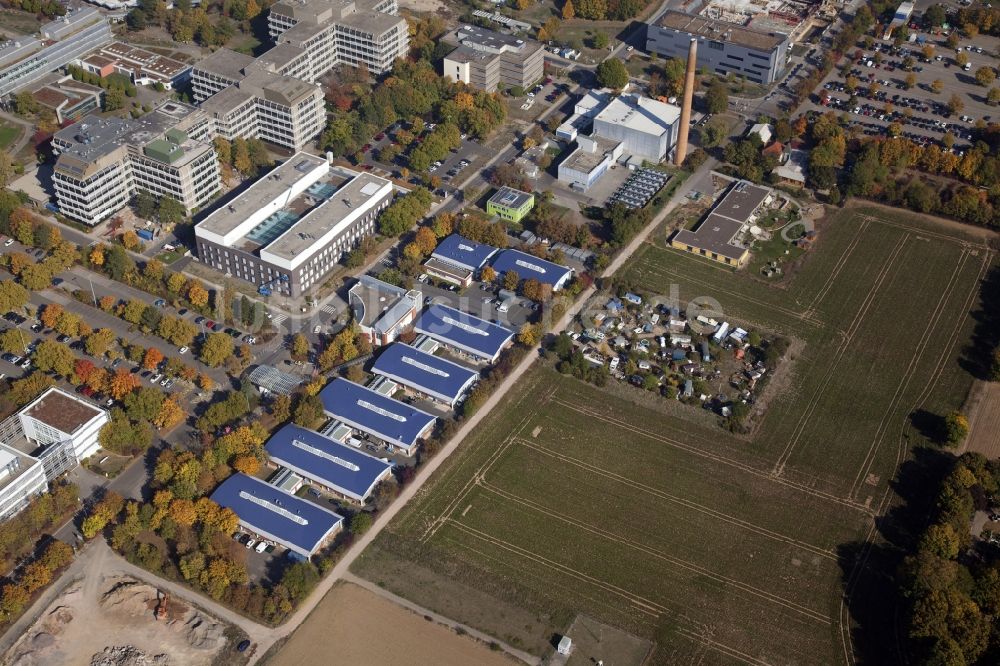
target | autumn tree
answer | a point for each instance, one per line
(99, 342)
(152, 359)
(568, 11)
(216, 349)
(122, 383)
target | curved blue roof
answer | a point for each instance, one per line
(460, 251)
(463, 331)
(295, 523)
(529, 266)
(325, 461)
(425, 372)
(369, 411)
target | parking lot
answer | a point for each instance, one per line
(876, 92)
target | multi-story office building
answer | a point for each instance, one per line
(327, 33)
(488, 60)
(103, 162)
(259, 98)
(48, 437)
(287, 231)
(723, 47)
(59, 43)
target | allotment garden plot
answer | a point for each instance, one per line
(722, 549)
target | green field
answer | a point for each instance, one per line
(8, 135)
(572, 499)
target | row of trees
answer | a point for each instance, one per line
(15, 595)
(404, 212)
(19, 534)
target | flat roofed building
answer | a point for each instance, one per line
(22, 478)
(268, 511)
(510, 204)
(463, 332)
(79, 31)
(489, 60)
(369, 411)
(287, 231)
(357, 33)
(590, 160)
(528, 267)
(325, 462)
(260, 98)
(103, 161)
(141, 66)
(56, 417)
(723, 48)
(69, 100)
(431, 375)
(646, 127)
(718, 236)
(381, 310)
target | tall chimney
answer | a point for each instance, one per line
(682, 136)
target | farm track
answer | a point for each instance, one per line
(911, 368)
(674, 499)
(837, 499)
(855, 573)
(852, 329)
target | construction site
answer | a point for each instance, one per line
(786, 16)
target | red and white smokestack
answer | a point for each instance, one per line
(682, 136)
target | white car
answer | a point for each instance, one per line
(250, 543)
(317, 328)
(155, 378)
(9, 242)
(261, 547)
(182, 350)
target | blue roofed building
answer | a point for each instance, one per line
(457, 259)
(324, 462)
(433, 376)
(463, 332)
(268, 511)
(530, 267)
(391, 421)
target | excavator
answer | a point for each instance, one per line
(161, 606)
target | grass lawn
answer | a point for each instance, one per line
(8, 135)
(573, 499)
(170, 257)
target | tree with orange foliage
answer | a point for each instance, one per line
(170, 414)
(246, 464)
(182, 512)
(425, 240)
(122, 383)
(152, 358)
(50, 314)
(18, 262)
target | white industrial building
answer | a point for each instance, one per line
(628, 128)
(45, 439)
(287, 231)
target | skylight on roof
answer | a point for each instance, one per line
(378, 410)
(530, 266)
(409, 360)
(271, 506)
(468, 328)
(323, 454)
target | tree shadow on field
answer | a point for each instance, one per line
(929, 425)
(977, 356)
(869, 570)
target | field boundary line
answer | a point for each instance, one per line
(962, 242)
(911, 368)
(721, 459)
(723, 649)
(642, 604)
(816, 398)
(733, 520)
(832, 278)
(852, 580)
(673, 560)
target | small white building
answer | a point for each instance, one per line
(565, 645)
(762, 130)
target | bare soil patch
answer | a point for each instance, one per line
(353, 622)
(113, 624)
(984, 419)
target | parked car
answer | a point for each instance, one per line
(182, 350)
(250, 543)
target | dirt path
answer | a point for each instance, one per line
(984, 419)
(356, 624)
